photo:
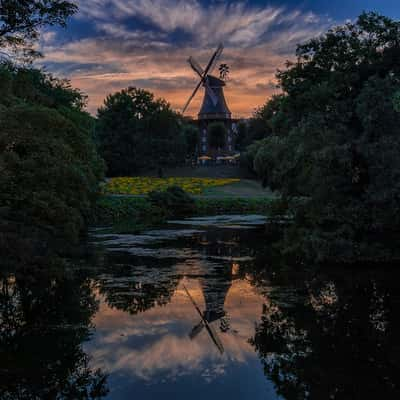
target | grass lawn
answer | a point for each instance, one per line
(245, 188)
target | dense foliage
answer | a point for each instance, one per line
(21, 21)
(48, 161)
(191, 134)
(333, 137)
(217, 135)
(137, 131)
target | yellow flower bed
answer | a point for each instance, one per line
(142, 185)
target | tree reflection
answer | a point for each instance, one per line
(136, 288)
(340, 341)
(45, 315)
(136, 284)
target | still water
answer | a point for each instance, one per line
(201, 309)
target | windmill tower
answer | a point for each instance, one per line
(214, 107)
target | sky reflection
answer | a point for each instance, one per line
(154, 347)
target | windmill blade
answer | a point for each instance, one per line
(196, 330)
(209, 91)
(195, 66)
(191, 97)
(213, 335)
(214, 59)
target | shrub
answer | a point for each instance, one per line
(174, 202)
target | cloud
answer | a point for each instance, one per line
(142, 43)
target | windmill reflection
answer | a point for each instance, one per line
(215, 290)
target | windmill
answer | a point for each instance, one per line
(214, 107)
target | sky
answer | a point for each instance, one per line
(113, 44)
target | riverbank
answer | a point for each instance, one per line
(137, 212)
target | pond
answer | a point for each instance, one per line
(201, 308)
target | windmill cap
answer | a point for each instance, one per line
(214, 82)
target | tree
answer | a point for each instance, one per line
(50, 169)
(217, 134)
(191, 134)
(242, 136)
(137, 131)
(339, 121)
(21, 21)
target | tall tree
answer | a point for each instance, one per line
(338, 132)
(48, 161)
(137, 131)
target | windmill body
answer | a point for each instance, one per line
(214, 108)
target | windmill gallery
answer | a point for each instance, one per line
(214, 111)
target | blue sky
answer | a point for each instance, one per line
(112, 44)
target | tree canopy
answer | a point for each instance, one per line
(332, 137)
(48, 161)
(137, 131)
(21, 20)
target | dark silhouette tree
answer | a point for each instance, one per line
(50, 167)
(217, 135)
(332, 137)
(136, 131)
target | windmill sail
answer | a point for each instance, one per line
(197, 68)
(203, 76)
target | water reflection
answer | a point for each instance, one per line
(45, 315)
(339, 340)
(221, 316)
(285, 332)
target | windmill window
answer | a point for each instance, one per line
(204, 139)
(230, 148)
(204, 147)
(229, 138)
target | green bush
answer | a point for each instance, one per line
(126, 214)
(174, 202)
